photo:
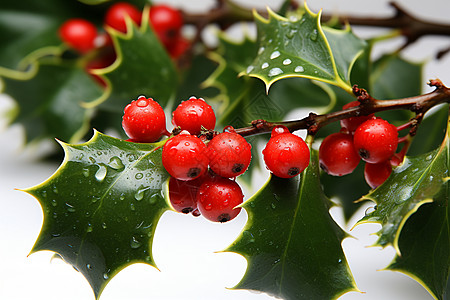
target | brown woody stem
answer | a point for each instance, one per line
(368, 105)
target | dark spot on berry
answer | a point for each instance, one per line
(187, 210)
(364, 154)
(193, 172)
(293, 171)
(171, 33)
(237, 168)
(223, 218)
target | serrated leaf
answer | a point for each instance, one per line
(102, 206)
(142, 67)
(303, 48)
(49, 103)
(291, 243)
(412, 207)
(243, 99)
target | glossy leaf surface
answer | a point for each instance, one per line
(102, 206)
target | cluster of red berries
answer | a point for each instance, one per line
(84, 37)
(203, 163)
(366, 138)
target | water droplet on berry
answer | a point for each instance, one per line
(261, 50)
(250, 68)
(264, 65)
(142, 103)
(208, 207)
(105, 276)
(85, 172)
(138, 176)
(70, 208)
(287, 61)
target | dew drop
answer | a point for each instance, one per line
(134, 243)
(264, 65)
(275, 54)
(142, 102)
(105, 276)
(116, 163)
(250, 68)
(248, 237)
(154, 198)
(287, 61)
(370, 210)
(70, 207)
(299, 69)
(138, 176)
(275, 72)
(85, 172)
(89, 267)
(313, 35)
(139, 195)
(101, 173)
(261, 50)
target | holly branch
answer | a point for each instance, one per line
(368, 105)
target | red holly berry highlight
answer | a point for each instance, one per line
(184, 157)
(79, 34)
(375, 140)
(352, 123)
(337, 155)
(218, 198)
(117, 13)
(376, 174)
(229, 154)
(286, 155)
(193, 114)
(144, 120)
(166, 22)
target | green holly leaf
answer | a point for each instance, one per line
(301, 47)
(419, 235)
(142, 67)
(102, 206)
(291, 243)
(243, 99)
(49, 103)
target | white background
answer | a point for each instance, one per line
(185, 247)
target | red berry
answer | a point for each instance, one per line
(279, 129)
(180, 46)
(192, 114)
(116, 14)
(184, 157)
(183, 194)
(218, 198)
(229, 154)
(167, 23)
(144, 120)
(79, 34)
(353, 122)
(337, 155)
(375, 140)
(376, 174)
(286, 155)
